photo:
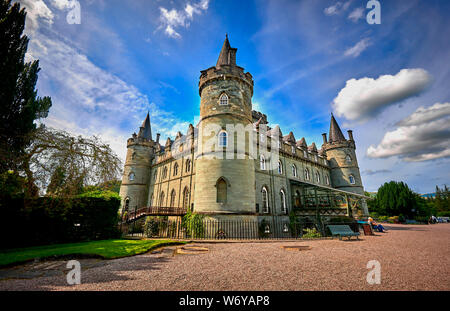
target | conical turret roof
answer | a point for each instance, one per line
(335, 131)
(227, 55)
(146, 129)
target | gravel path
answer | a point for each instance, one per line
(412, 257)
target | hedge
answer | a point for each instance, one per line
(48, 220)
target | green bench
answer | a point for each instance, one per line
(343, 230)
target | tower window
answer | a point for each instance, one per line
(133, 156)
(348, 159)
(352, 179)
(223, 137)
(262, 163)
(265, 200)
(221, 191)
(224, 100)
(131, 176)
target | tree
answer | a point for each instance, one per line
(63, 165)
(396, 198)
(20, 106)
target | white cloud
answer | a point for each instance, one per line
(37, 11)
(423, 115)
(356, 14)
(63, 4)
(423, 136)
(88, 100)
(358, 48)
(364, 98)
(171, 19)
(337, 8)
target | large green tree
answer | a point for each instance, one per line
(396, 198)
(20, 106)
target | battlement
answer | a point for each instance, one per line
(136, 140)
(224, 72)
(340, 144)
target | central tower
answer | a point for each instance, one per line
(225, 173)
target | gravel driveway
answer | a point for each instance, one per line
(412, 257)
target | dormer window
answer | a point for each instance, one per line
(223, 100)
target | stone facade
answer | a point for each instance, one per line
(252, 172)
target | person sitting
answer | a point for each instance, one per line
(375, 225)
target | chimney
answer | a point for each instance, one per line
(350, 134)
(324, 135)
(157, 138)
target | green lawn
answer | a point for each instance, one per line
(107, 249)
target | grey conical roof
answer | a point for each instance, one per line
(335, 131)
(146, 129)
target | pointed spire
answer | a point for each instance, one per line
(227, 55)
(146, 129)
(335, 131)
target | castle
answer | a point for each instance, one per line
(232, 165)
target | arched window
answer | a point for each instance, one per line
(316, 158)
(352, 179)
(223, 139)
(131, 176)
(175, 169)
(223, 100)
(164, 172)
(293, 149)
(221, 191)
(133, 156)
(283, 201)
(186, 198)
(348, 159)
(262, 162)
(156, 175)
(262, 137)
(127, 204)
(172, 198)
(305, 154)
(327, 179)
(188, 165)
(306, 174)
(294, 170)
(265, 200)
(161, 199)
(317, 177)
(280, 168)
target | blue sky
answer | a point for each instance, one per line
(389, 83)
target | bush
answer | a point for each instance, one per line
(193, 223)
(443, 214)
(50, 220)
(311, 233)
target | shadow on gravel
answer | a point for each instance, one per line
(39, 279)
(406, 228)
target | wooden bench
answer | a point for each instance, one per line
(342, 230)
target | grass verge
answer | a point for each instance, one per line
(106, 249)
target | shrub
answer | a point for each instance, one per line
(311, 233)
(193, 223)
(49, 220)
